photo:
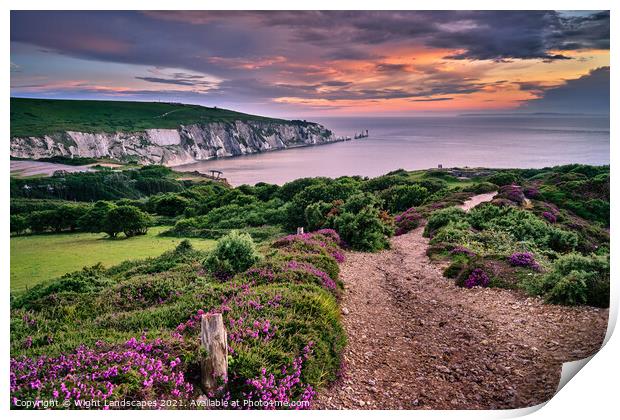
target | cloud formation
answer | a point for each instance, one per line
(342, 59)
(587, 94)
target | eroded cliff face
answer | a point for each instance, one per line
(172, 147)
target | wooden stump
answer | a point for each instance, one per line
(214, 365)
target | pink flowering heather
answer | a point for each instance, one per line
(524, 259)
(550, 217)
(326, 281)
(461, 250)
(94, 374)
(279, 391)
(512, 193)
(313, 243)
(477, 278)
(407, 221)
(280, 273)
(531, 192)
(330, 233)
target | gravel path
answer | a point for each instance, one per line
(416, 341)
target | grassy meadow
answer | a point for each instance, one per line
(37, 258)
(37, 117)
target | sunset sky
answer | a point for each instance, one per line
(302, 64)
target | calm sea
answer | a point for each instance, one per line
(425, 142)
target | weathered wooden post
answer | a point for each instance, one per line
(300, 230)
(214, 365)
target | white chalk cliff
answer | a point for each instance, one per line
(171, 147)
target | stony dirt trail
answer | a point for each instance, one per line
(417, 341)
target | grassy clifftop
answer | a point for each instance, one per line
(37, 117)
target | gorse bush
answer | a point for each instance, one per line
(441, 218)
(401, 197)
(503, 178)
(234, 253)
(576, 279)
(367, 230)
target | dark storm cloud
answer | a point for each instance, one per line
(481, 35)
(350, 54)
(587, 94)
(184, 39)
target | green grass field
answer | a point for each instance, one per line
(37, 117)
(38, 258)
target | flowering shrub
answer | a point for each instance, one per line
(513, 193)
(531, 192)
(272, 391)
(407, 221)
(96, 374)
(524, 259)
(461, 250)
(326, 281)
(477, 278)
(271, 311)
(550, 217)
(313, 243)
(291, 271)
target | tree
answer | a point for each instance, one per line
(94, 220)
(169, 204)
(19, 224)
(41, 220)
(127, 219)
(68, 216)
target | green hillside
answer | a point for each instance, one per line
(37, 117)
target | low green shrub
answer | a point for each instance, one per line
(233, 253)
(441, 218)
(366, 230)
(576, 279)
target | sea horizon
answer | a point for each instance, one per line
(415, 143)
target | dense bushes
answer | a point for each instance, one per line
(503, 178)
(441, 218)
(107, 217)
(576, 279)
(401, 197)
(99, 185)
(57, 219)
(168, 204)
(527, 245)
(367, 230)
